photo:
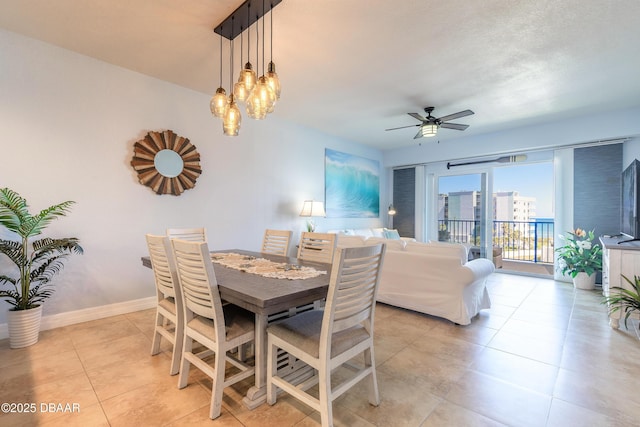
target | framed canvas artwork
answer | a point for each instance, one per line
(351, 186)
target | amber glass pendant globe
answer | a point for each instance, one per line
(240, 91)
(249, 77)
(232, 118)
(262, 99)
(273, 80)
(218, 103)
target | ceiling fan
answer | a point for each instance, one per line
(429, 126)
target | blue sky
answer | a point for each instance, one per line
(531, 180)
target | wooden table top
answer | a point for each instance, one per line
(264, 295)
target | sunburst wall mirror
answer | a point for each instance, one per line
(166, 162)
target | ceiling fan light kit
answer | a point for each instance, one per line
(429, 130)
(429, 125)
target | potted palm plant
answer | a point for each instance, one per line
(624, 300)
(580, 258)
(36, 262)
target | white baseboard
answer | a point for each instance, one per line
(87, 314)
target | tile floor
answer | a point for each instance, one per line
(544, 355)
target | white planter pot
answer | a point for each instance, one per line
(584, 281)
(24, 327)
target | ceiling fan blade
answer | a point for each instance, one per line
(418, 135)
(457, 115)
(455, 126)
(403, 127)
(417, 116)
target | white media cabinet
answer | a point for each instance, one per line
(619, 258)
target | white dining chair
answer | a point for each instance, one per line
(207, 324)
(169, 323)
(190, 234)
(276, 242)
(325, 340)
(317, 247)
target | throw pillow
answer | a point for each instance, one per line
(391, 234)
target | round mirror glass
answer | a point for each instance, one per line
(168, 163)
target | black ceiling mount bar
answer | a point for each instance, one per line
(248, 13)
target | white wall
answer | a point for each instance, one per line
(68, 125)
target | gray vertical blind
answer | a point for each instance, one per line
(404, 200)
(596, 188)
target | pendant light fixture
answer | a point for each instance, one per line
(272, 77)
(218, 103)
(232, 118)
(260, 94)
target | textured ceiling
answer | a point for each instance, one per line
(352, 68)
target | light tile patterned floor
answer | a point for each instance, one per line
(544, 355)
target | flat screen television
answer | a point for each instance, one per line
(629, 224)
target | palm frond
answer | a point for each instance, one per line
(13, 250)
(48, 269)
(12, 297)
(34, 225)
(6, 279)
(39, 294)
(47, 246)
(625, 300)
(13, 210)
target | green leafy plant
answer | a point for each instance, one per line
(579, 254)
(627, 300)
(37, 261)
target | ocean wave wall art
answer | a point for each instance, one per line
(351, 186)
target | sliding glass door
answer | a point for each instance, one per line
(504, 213)
(462, 214)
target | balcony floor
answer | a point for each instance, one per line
(526, 267)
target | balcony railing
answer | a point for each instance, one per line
(519, 240)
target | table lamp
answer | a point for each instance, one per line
(312, 209)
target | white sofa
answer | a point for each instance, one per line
(433, 278)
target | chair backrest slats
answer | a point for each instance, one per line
(276, 242)
(352, 291)
(198, 282)
(163, 265)
(317, 247)
(190, 234)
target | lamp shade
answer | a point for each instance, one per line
(392, 210)
(311, 208)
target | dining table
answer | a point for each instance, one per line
(268, 298)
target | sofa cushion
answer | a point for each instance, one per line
(366, 232)
(378, 232)
(445, 249)
(451, 245)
